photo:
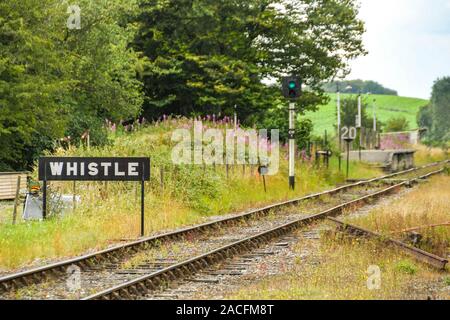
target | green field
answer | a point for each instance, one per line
(387, 107)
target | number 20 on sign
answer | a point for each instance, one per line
(348, 134)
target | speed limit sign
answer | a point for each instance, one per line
(348, 133)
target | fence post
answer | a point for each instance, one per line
(74, 195)
(227, 168)
(105, 195)
(16, 200)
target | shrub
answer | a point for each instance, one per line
(406, 267)
(398, 124)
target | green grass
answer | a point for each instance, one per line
(447, 281)
(387, 107)
(406, 267)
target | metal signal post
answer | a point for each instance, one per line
(292, 145)
(292, 90)
(359, 125)
(339, 120)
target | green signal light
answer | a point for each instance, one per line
(292, 85)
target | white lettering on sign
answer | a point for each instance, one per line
(56, 168)
(93, 169)
(349, 133)
(132, 167)
(106, 166)
(71, 169)
(101, 169)
(118, 172)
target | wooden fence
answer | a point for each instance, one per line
(8, 184)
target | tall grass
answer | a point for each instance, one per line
(426, 155)
(428, 205)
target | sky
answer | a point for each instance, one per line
(408, 43)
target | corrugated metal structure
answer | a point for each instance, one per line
(8, 184)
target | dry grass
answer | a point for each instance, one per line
(342, 273)
(426, 155)
(427, 205)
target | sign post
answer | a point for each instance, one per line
(359, 124)
(349, 135)
(292, 145)
(374, 116)
(263, 171)
(143, 202)
(339, 127)
(94, 169)
(44, 200)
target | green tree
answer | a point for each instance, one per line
(31, 82)
(440, 101)
(55, 81)
(349, 112)
(206, 56)
(425, 117)
(103, 68)
(398, 124)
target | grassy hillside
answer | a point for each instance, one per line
(387, 107)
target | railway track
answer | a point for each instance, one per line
(419, 254)
(142, 266)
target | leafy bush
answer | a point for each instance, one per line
(80, 123)
(407, 267)
(398, 124)
(277, 118)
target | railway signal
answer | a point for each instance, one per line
(292, 89)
